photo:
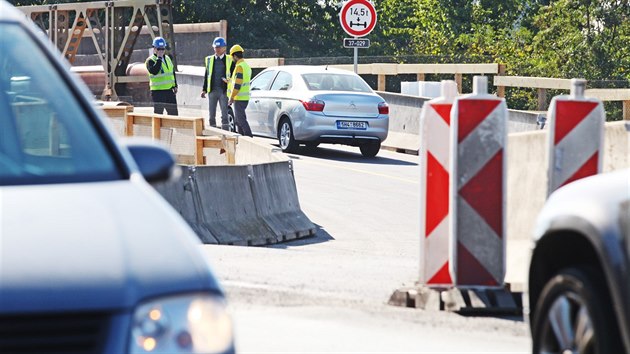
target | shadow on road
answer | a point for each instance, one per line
(327, 153)
(320, 236)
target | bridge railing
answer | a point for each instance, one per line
(542, 84)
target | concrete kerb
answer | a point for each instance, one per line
(183, 196)
(276, 199)
(228, 207)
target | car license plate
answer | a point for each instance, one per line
(343, 124)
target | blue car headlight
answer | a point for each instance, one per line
(196, 323)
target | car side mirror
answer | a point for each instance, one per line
(155, 162)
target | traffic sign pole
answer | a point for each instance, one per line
(356, 60)
(357, 18)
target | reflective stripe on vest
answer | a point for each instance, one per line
(243, 93)
(210, 65)
(165, 79)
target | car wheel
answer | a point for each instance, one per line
(370, 149)
(574, 315)
(285, 136)
(231, 123)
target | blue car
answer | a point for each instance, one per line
(92, 259)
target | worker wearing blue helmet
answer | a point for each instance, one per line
(219, 67)
(162, 80)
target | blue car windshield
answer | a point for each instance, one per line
(335, 82)
(45, 133)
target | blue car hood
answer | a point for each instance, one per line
(94, 246)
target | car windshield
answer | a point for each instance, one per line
(45, 136)
(335, 82)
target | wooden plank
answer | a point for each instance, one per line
(626, 110)
(363, 69)
(448, 68)
(609, 94)
(144, 120)
(156, 125)
(532, 82)
(199, 152)
(231, 150)
(177, 124)
(385, 69)
(420, 76)
(264, 62)
(128, 125)
(198, 127)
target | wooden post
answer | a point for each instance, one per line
(198, 127)
(542, 99)
(501, 89)
(229, 144)
(129, 124)
(626, 110)
(458, 80)
(381, 82)
(156, 124)
(199, 152)
(420, 76)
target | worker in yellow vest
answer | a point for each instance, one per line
(238, 90)
(218, 69)
(162, 79)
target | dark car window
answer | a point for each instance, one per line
(283, 81)
(45, 136)
(335, 82)
(262, 81)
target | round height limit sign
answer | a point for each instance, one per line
(358, 17)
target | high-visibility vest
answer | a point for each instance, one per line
(243, 93)
(165, 79)
(210, 65)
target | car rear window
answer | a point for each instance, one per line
(45, 134)
(335, 82)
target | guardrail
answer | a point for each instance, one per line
(382, 70)
(542, 84)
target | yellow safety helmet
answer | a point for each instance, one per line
(236, 48)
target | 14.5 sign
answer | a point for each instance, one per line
(358, 17)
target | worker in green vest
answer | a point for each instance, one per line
(238, 90)
(162, 79)
(218, 69)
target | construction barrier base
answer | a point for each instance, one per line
(467, 302)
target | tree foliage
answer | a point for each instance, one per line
(550, 38)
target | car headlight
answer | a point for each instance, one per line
(189, 323)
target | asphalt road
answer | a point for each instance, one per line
(329, 293)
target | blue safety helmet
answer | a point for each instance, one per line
(159, 42)
(219, 42)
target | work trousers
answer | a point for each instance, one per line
(217, 95)
(240, 118)
(164, 99)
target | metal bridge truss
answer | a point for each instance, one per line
(113, 26)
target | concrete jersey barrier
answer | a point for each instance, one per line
(249, 205)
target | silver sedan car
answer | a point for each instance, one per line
(312, 105)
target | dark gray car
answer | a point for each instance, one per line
(579, 278)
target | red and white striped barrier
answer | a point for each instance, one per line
(478, 154)
(434, 194)
(575, 138)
